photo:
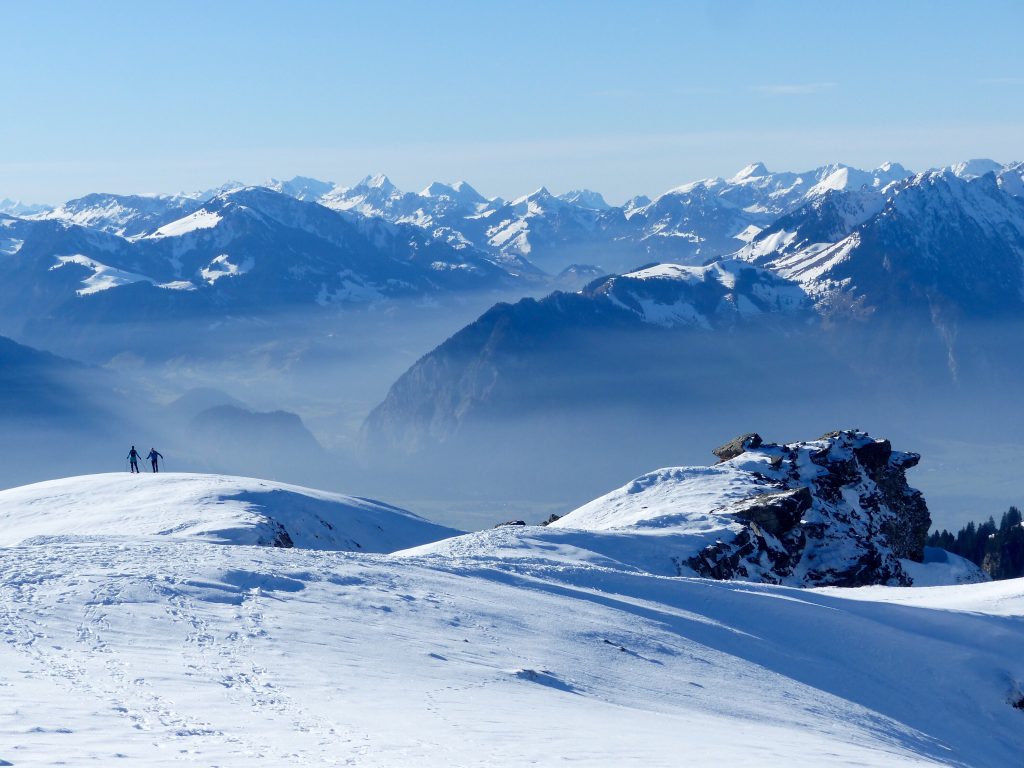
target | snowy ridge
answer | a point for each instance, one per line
(215, 508)
(721, 293)
(126, 215)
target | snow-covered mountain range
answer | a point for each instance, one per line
(250, 250)
(381, 242)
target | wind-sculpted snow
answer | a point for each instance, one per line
(217, 508)
(153, 651)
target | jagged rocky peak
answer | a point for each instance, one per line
(832, 511)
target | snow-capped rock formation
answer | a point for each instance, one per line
(586, 198)
(301, 187)
(836, 511)
(212, 508)
(830, 512)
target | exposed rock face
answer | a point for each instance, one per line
(836, 511)
(737, 445)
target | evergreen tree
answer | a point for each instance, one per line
(996, 549)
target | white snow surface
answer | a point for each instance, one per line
(103, 277)
(118, 646)
(216, 508)
(201, 219)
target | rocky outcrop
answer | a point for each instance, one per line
(737, 445)
(836, 511)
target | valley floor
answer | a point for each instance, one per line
(154, 652)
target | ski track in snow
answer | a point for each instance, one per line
(156, 649)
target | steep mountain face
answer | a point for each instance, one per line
(861, 297)
(1011, 179)
(836, 511)
(125, 215)
(945, 246)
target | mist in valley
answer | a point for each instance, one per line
(285, 397)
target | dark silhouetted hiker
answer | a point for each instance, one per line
(133, 457)
(153, 454)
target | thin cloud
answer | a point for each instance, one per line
(793, 89)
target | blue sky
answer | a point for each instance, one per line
(625, 98)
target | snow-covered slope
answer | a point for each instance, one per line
(158, 650)
(217, 508)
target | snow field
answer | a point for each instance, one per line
(164, 648)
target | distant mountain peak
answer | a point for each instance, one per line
(18, 208)
(301, 187)
(464, 187)
(971, 169)
(752, 171)
(891, 167)
(585, 198)
(379, 181)
(541, 193)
